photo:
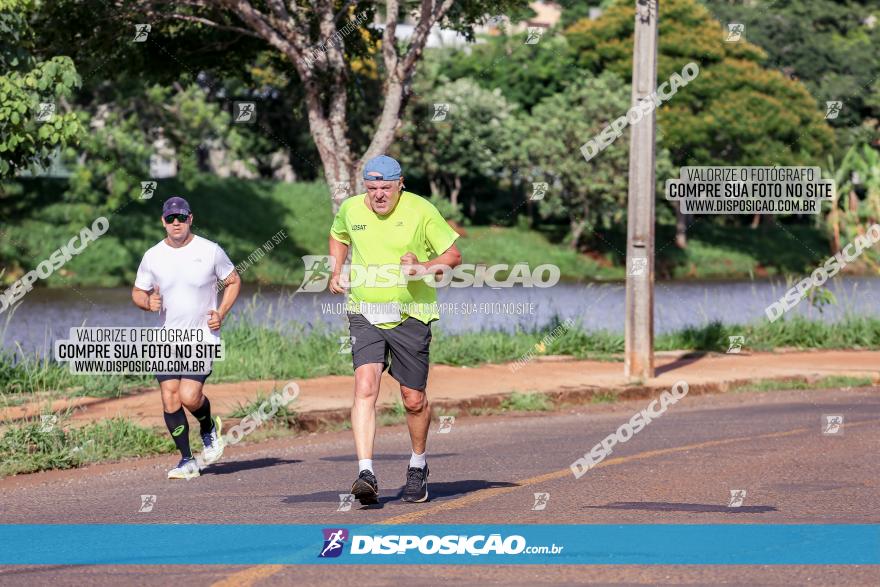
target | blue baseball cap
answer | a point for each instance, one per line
(175, 205)
(386, 167)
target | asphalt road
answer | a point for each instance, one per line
(679, 469)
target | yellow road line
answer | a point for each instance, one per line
(249, 576)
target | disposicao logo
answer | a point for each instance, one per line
(334, 540)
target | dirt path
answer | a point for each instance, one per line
(451, 386)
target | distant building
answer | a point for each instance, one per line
(547, 14)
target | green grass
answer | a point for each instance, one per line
(255, 353)
(283, 413)
(603, 398)
(396, 414)
(527, 402)
(28, 446)
(833, 381)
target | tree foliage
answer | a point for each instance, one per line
(589, 195)
(736, 112)
(829, 45)
(461, 147)
(34, 115)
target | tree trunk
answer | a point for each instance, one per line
(756, 220)
(456, 189)
(576, 231)
(681, 225)
(434, 186)
(325, 73)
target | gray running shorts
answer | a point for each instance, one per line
(404, 347)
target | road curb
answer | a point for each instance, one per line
(322, 419)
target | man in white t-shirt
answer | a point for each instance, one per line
(178, 278)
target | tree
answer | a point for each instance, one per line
(587, 194)
(34, 116)
(736, 112)
(459, 146)
(320, 41)
(829, 45)
(856, 205)
(112, 159)
(525, 74)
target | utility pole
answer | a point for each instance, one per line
(639, 350)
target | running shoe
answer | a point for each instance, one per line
(416, 490)
(213, 442)
(366, 488)
(187, 468)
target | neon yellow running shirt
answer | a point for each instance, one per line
(414, 226)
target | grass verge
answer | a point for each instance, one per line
(39, 444)
(256, 352)
(826, 382)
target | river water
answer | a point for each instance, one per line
(46, 314)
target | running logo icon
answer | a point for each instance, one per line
(147, 503)
(141, 32)
(638, 266)
(832, 424)
(47, 422)
(148, 188)
(345, 502)
(46, 112)
(736, 344)
(340, 190)
(244, 112)
(539, 189)
(832, 109)
(334, 540)
(534, 35)
(541, 500)
(345, 344)
(318, 270)
(735, 32)
(446, 423)
(440, 112)
(737, 497)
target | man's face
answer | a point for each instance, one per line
(178, 228)
(382, 195)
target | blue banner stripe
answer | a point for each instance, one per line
(170, 544)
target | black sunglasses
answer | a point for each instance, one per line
(172, 217)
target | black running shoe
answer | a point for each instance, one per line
(366, 488)
(416, 490)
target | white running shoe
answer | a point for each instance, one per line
(213, 442)
(185, 469)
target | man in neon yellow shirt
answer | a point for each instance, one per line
(399, 242)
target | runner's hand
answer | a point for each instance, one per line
(335, 285)
(155, 300)
(214, 320)
(411, 266)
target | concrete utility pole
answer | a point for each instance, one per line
(639, 360)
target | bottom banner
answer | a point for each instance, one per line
(635, 544)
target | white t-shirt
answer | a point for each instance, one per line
(187, 279)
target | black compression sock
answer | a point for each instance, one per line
(179, 429)
(203, 415)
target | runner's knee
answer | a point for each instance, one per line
(414, 401)
(366, 389)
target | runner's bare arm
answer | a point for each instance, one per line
(338, 253)
(151, 301)
(231, 287)
(450, 258)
